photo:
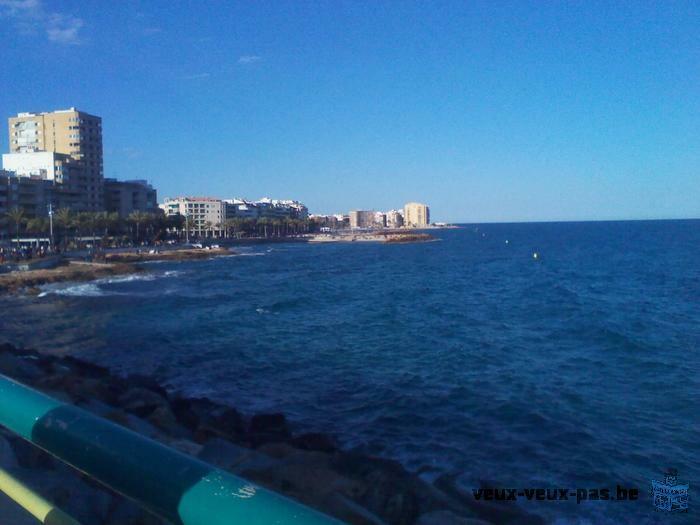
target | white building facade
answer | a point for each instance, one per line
(205, 216)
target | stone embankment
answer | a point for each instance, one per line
(166, 255)
(309, 467)
(72, 271)
(112, 264)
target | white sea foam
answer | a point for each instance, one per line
(78, 290)
(95, 289)
(127, 278)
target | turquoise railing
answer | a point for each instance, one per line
(171, 485)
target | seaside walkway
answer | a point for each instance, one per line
(174, 486)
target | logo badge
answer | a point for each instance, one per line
(669, 495)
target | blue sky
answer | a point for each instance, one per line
(487, 111)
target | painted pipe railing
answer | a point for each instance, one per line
(172, 485)
(42, 510)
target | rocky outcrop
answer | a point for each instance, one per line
(29, 281)
(262, 448)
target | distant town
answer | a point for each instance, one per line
(54, 172)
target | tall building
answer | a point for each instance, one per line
(69, 132)
(362, 219)
(124, 197)
(32, 194)
(416, 215)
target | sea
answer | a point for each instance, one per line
(577, 367)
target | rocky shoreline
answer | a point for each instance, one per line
(72, 271)
(166, 255)
(384, 237)
(309, 467)
(120, 263)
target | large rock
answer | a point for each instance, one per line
(31, 457)
(190, 411)
(315, 441)
(21, 369)
(7, 454)
(141, 401)
(344, 508)
(496, 512)
(234, 458)
(445, 517)
(222, 421)
(266, 428)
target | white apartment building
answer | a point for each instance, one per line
(394, 219)
(204, 216)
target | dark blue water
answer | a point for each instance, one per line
(578, 369)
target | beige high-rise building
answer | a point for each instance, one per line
(416, 215)
(70, 132)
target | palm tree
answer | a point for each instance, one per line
(138, 218)
(16, 215)
(208, 225)
(64, 218)
(37, 225)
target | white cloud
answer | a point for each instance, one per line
(30, 17)
(248, 59)
(64, 29)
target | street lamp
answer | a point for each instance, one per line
(51, 224)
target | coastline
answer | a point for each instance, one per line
(120, 263)
(309, 467)
(73, 271)
(384, 237)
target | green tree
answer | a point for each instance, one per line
(64, 220)
(38, 225)
(16, 215)
(138, 218)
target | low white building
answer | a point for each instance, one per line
(394, 219)
(265, 208)
(44, 164)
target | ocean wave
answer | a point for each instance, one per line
(78, 290)
(127, 278)
(96, 288)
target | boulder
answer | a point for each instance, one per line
(315, 441)
(190, 411)
(445, 517)
(7, 454)
(163, 418)
(495, 511)
(141, 401)
(30, 456)
(18, 368)
(222, 421)
(266, 428)
(234, 458)
(348, 511)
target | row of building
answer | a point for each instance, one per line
(56, 160)
(413, 215)
(209, 215)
